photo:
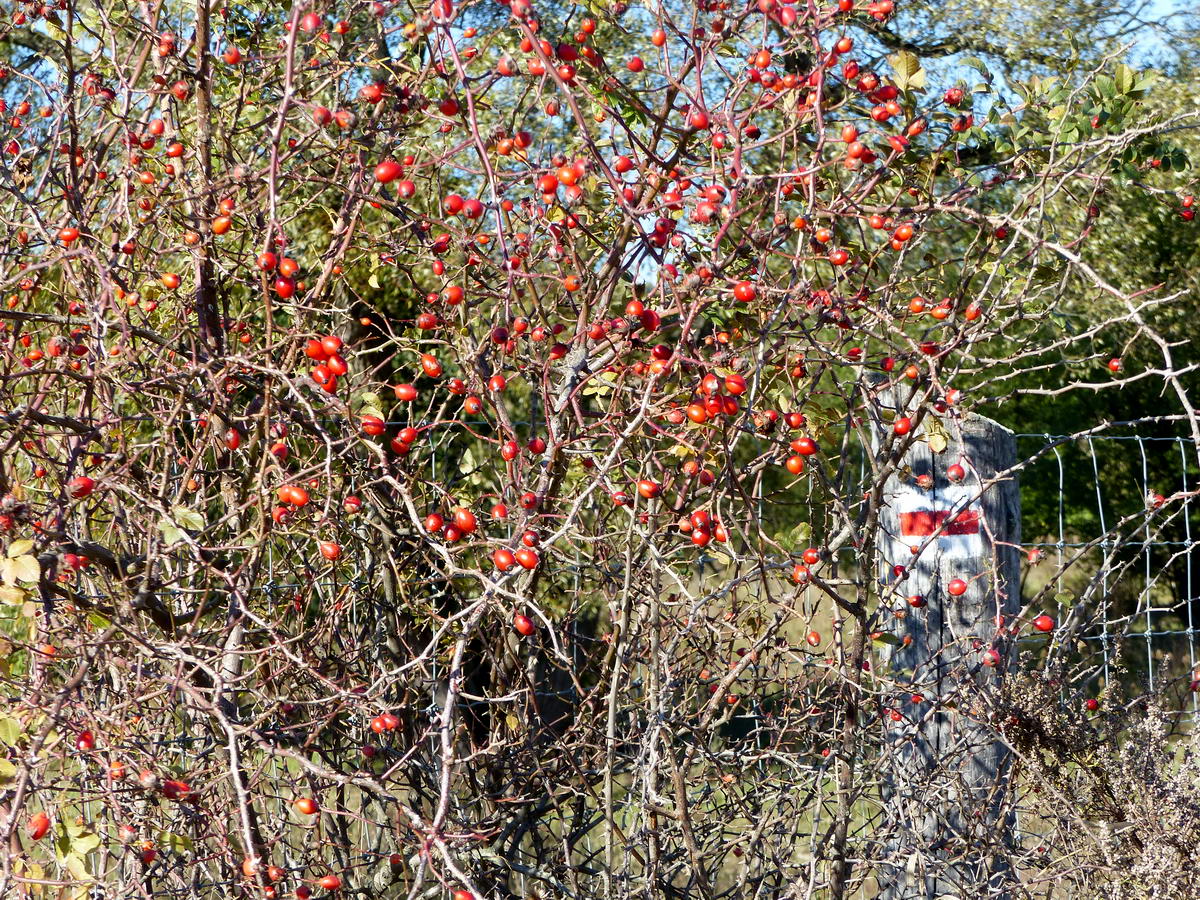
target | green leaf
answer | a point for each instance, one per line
(369, 404)
(1044, 273)
(600, 385)
(907, 73)
(1143, 84)
(83, 844)
(54, 30)
(886, 637)
(974, 62)
(77, 866)
(799, 536)
(8, 771)
(62, 843)
(170, 531)
(1124, 78)
(188, 518)
(10, 731)
(467, 462)
(905, 63)
(174, 843)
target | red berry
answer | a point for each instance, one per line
(80, 486)
(388, 170)
(648, 489)
(465, 520)
(527, 558)
(804, 446)
(37, 826)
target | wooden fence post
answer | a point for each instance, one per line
(947, 779)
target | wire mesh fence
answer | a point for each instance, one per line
(1109, 522)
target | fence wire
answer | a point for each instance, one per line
(1112, 519)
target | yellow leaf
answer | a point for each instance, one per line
(10, 731)
(19, 548)
(936, 435)
(25, 568)
(77, 867)
(13, 596)
(35, 873)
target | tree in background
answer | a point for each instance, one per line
(445, 450)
